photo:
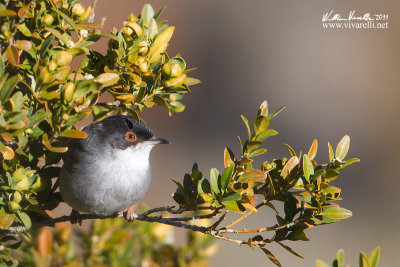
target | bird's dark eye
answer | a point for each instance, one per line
(130, 136)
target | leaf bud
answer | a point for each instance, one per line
(13, 206)
(68, 91)
(48, 19)
(62, 58)
(78, 9)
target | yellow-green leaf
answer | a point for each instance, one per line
(308, 167)
(107, 79)
(72, 133)
(342, 148)
(336, 213)
(373, 258)
(6, 219)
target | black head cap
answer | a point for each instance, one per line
(120, 132)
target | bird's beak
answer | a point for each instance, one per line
(156, 140)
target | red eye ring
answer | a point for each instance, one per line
(130, 136)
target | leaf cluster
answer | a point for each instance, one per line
(301, 184)
(51, 79)
(364, 261)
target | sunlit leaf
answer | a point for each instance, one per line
(289, 166)
(226, 177)
(246, 123)
(312, 152)
(291, 250)
(363, 260)
(308, 168)
(214, 180)
(342, 148)
(252, 176)
(234, 206)
(72, 133)
(271, 257)
(6, 219)
(373, 258)
(320, 263)
(12, 55)
(336, 213)
(290, 150)
(229, 157)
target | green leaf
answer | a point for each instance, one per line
(340, 257)
(331, 154)
(290, 150)
(72, 133)
(45, 46)
(251, 145)
(297, 234)
(331, 175)
(37, 118)
(363, 260)
(266, 134)
(231, 196)
(147, 13)
(271, 257)
(342, 148)
(289, 166)
(24, 30)
(320, 263)
(273, 114)
(191, 81)
(204, 186)
(373, 258)
(246, 123)
(7, 12)
(159, 12)
(226, 177)
(214, 179)
(107, 79)
(348, 162)
(260, 125)
(234, 206)
(336, 213)
(8, 87)
(257, 152)
(229, 157)
(308, 167)
(68, 19)
(24, 218)
(291, 250)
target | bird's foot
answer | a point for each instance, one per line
(75, 217)
(129, 214)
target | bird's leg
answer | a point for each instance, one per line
(129, 214)
(75, 217)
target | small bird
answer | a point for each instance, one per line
(109, 171)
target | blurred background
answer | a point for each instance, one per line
(333, 82)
